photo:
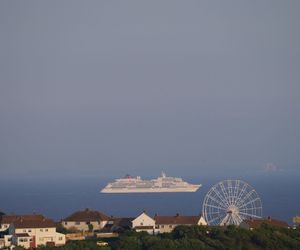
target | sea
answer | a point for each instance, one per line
(58, 197)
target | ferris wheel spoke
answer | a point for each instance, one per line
(247, 196)
(231, 192)
(250, 215)
(238, 219)
(229, 186)
(213, 206)
(243, 190)
(225, 220)
(211, 213)
(215, 219)
(223, 199)
(234, 220)
(250, 208)
(236, 189)
(224, 192)
(249, 202)
(218, 202)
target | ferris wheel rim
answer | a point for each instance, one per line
(231, 201)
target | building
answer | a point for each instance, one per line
(256, 223)
(165, 224)
(6, 220)
(87, 220)
(31, 231)
(144, 223)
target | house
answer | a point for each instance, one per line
(86, 220)
(165, 224)
(144, 223)
(6, 220)
(2, 243)
(31, 231)
(256, 223)
(5, 241)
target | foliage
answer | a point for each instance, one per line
(210, 238)
(91, 227)
(200, 238)
(77, 245)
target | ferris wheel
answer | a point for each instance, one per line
(230, 202)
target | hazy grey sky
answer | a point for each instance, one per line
(110, 87)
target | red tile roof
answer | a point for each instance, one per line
(176, 220)
(27, 221)
(8, 219)
(87, 215)
(44, 223)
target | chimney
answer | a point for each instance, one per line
(177, 215)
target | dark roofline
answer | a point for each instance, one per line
(87, 215)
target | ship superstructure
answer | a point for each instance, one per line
(129, 184)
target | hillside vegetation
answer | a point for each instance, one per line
(201, 238)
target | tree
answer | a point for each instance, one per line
(91, 227)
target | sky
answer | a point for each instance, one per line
(116, 87)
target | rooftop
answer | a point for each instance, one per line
(8, 219)
(255, 223)
(27, 221)
(177, 219)
(87, 215)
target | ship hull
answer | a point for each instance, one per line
(194, 188)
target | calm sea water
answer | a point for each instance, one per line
(59, 197)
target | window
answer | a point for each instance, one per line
(66, 223)
(77, 223)
(162, 226)
(142, 224)
(46, 230)
(24, 230)
(88, 223)
(29, 230)
(60, 238)
(170, 226)
(41, 230)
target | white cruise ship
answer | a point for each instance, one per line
(129, 184)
